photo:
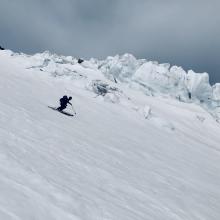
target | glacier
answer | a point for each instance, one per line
(150, 77)
(144, 144)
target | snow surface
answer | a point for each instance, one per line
(142, 151)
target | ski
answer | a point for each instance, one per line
(62, 112)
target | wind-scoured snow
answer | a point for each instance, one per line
(144, 144)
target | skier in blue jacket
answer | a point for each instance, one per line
(63, 102)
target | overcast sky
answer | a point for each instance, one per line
(181, 32)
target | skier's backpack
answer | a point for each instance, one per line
(63, 100)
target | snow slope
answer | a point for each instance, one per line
(125, 156)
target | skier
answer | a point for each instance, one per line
(63, 102)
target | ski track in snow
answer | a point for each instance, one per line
(144, 158)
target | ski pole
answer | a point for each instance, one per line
(73, 110)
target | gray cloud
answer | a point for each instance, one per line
(180, 32)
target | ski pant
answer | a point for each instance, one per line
(61, 107)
